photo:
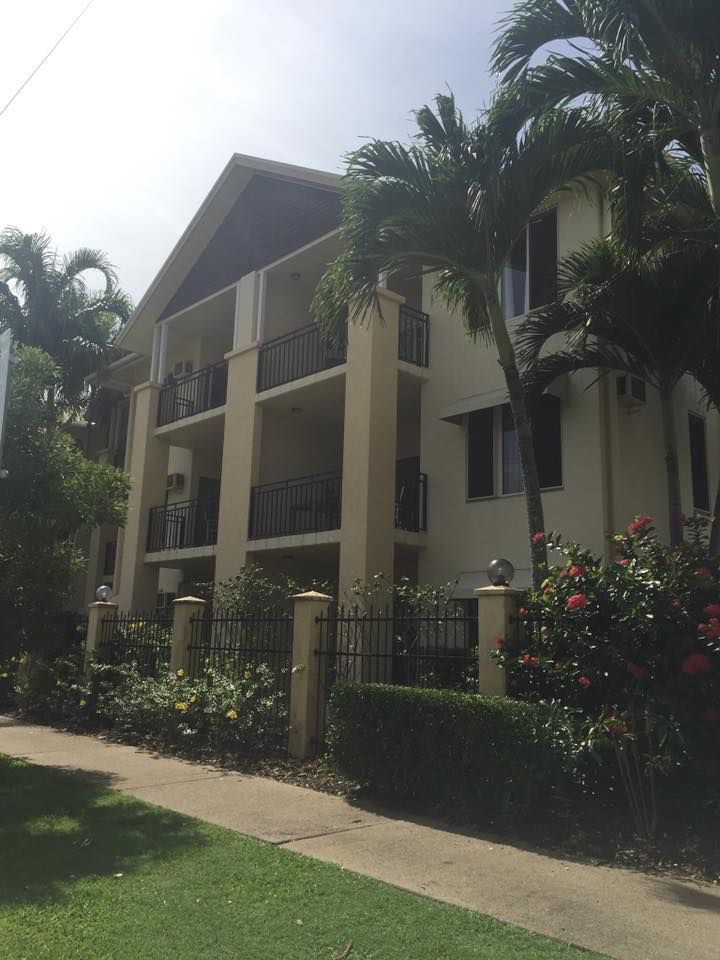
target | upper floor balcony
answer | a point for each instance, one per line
(185, 396)
(313, 504)
(303, 352)
(182, 525)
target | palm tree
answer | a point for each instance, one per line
(47, 303)
(653, 60)
(453, 205)
(653, 315)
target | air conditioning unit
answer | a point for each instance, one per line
(631, 391)
(182, 368)
(175, 481)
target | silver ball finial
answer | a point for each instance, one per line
(103, 594)
(500, 572)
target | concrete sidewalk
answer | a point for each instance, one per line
(627, 915)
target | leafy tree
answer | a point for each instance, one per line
(454, 204)
(47, 303)
(652, 315)
(654, 62)
(51, 491)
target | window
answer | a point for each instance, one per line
(524, 288)
(480, 469)
(109, 558)
(698, 463)
(547, 434)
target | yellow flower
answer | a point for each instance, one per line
(193, 698)
(181, 706)
(83, 703)
(58, 683)
(231, 715)
(3, 675)
(13, 659)
(181, 672)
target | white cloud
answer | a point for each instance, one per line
(118, 138)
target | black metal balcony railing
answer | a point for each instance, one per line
(193, 394)
(190, 523)
(411, 503)
(296, 355)
(414, 336)
(304, 505)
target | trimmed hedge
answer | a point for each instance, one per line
(439, 749)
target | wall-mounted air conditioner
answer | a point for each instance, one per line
(631, 391)
(175, 481)
(182, 368)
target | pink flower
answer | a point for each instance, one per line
(548, 591)
(695, 664)
(624, 563)
(639, 524)
(678, 604)
(530, 661)
(711, 628)
(638, 670)
(576, 571)
(712, 610)
(704, 573)
(577, 601)
(584, 681)
(499, 643)
(538, 537)
(522, 613)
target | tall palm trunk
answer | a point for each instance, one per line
(672, 467)
(710, 143)
(523, 429)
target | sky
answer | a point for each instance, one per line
(118, 138)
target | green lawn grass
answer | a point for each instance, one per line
(88, 874)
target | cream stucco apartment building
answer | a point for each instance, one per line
(249, 439)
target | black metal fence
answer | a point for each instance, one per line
(303, 505)
(433, 646)
(254, 646)
(411, 503)
(414, 336)
(193, 394)
(141, 638)
(188, 523)
(296, 355)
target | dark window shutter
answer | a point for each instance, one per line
(480, 481)
(698, 463)
(543, 259)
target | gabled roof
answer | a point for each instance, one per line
(256, 212)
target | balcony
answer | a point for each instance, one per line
(178, 526)
(289, 507)
(414, 336)
(201, 391)
(314, 504)
(296, 355)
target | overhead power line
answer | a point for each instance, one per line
(46, 57)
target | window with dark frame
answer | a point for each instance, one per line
(698, 463)
(109, 558)
(479, 459)
(529, 278)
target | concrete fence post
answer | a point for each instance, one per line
(497, 612)
(185, 609)
(305, 680)
(93, 638)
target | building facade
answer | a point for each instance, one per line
(249, 439)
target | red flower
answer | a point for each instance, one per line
(499, 643)
(538, 537)
(638, 670)
(712, 713)
(712, 610)
(639, 524)
(530, 661)
(678, 604)
(710, 629)
(584, 681)
(576, 571)
(624, 563)
(547, 591)
(577, 601)
(704, 573)
(522, 613)
(695, 664)
(618, 728)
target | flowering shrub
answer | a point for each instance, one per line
(633, 644)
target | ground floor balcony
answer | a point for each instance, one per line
(313, 504)
(183, 525)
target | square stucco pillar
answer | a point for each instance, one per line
(367, 537)
(240, 463)
(147, 464)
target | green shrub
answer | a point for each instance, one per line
(461, 752)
